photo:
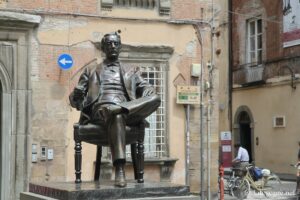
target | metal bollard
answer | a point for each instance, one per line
(221, 183)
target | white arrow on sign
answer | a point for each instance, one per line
(64, 61)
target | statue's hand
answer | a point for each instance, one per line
(115, 109)
(108, 111)
(148, 92)
(78, 93)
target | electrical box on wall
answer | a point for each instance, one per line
(279, 121)
(43, 152)
(50, 154)
(34, 153)
(195, 70)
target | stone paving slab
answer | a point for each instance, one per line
(274, 190)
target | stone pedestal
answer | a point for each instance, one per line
(104, 190)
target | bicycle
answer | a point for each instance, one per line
(259, 183)
(297, 191)
(237, 186)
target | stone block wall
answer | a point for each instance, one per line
(50, 89)
(70, 6)
(271, 13)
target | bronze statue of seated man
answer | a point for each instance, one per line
(112, 97)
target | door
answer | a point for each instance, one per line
(6, 65)
(245, 133)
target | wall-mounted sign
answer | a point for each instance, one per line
(226, 150)
(225, 135)
(65, 61)
(291, 25)
(188, 94)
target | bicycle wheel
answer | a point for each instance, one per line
(241, 188)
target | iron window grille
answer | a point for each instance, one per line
(147, 4)
(163, 6)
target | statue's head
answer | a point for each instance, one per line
(111, 45)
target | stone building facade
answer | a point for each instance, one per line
(265, 68)
(163, 38)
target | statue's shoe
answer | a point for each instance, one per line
(120, 180)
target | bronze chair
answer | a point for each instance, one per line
(90, 133)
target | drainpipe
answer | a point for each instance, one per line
(201, 120)
(230, 78)
(187, 143)
(210, 75)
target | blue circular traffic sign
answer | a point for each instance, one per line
(65, 61)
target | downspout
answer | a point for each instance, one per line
(187, 143)
(210, 75)
(200, 38)
(201, 115)
(230, 77)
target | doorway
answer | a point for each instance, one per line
(243, 130)
(245, 133)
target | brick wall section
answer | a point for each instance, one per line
(50, 107)
(72, 6)
(49, 69)
(272, 29)
(190, 9)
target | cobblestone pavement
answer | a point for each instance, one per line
(274, 190)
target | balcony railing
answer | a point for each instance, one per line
(253, 74)
(248, 75)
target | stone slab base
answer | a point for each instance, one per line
(32, 196)
(190, 197)
(107, 191)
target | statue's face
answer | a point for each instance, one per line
(111, 47)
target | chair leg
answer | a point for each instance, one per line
(140, 159)
(134, 160)
(78, 160)
(98, 163)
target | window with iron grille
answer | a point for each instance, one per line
(163, 6)
(148, 4)
(155, 140)
(254, 41)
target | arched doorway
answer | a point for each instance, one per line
(5, 129)
(244, 130)
(245, 133)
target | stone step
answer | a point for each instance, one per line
(32, 196)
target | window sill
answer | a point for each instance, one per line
(150, 161)
(157, 161)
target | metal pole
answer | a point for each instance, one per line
(201, 122)
(208, 150)
(187, 152)
(209, 104)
